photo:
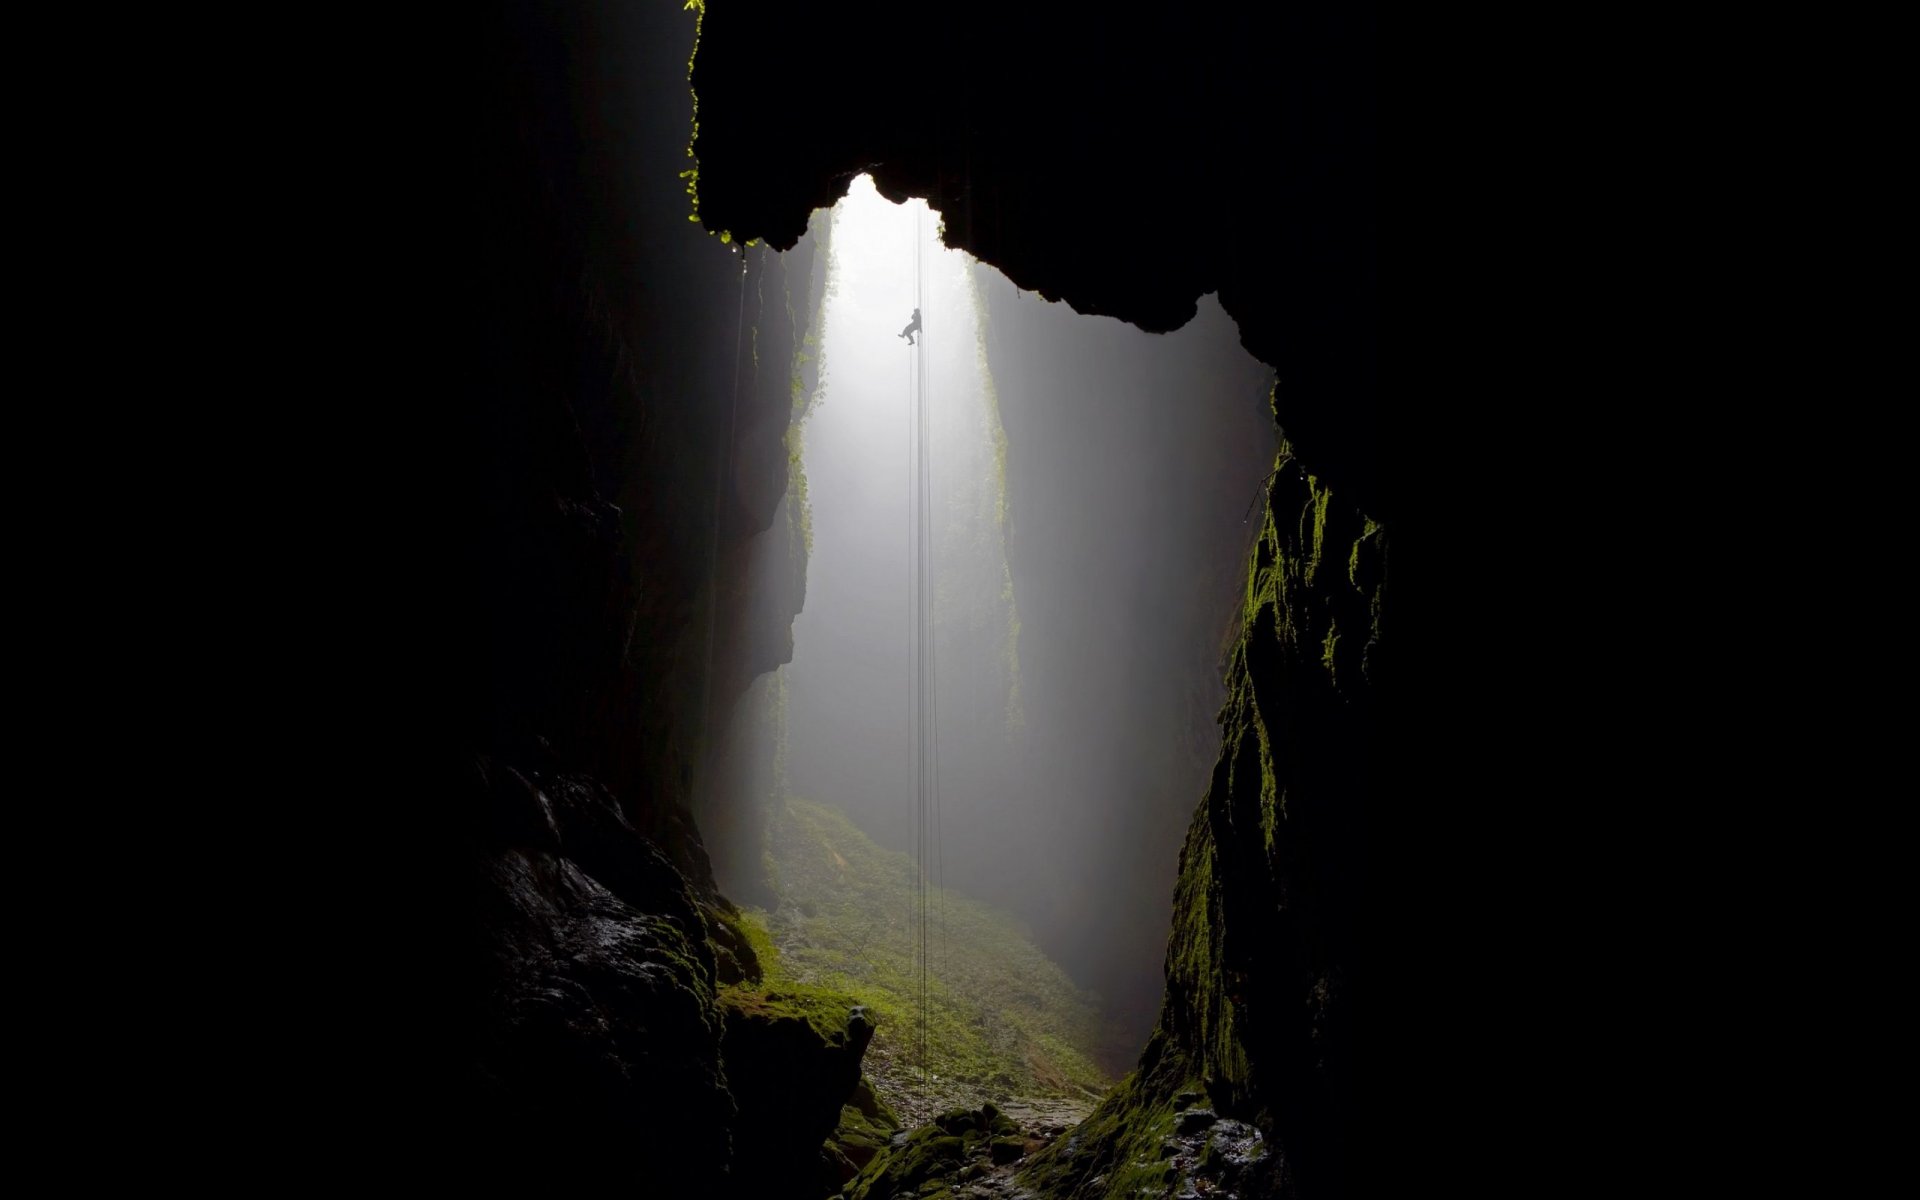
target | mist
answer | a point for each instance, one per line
(1090, 490)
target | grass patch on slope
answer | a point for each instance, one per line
(1003, 1019)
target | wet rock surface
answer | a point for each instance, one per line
(1216, 1158)
(867, 1128)
(967, 1152)
(599, 1032)
(1046, 1119)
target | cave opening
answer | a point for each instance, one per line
(689, 838)
(1088, 497)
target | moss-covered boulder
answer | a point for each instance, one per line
(866, 1128)
(958, 1146)
(792, 1056)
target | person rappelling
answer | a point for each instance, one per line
(912, 328)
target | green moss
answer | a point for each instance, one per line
(997, 429)
(930, 1160)
(1273, 798)
(755, 935)
(1016, 716)
(692, 174)
(1368, 527)
(806, 384)
(819, 1007)
(1372, 545)
(799, 506)
(1115, 1152)
(778, 994)
(689, 961)
(1317, 502)
(866, 1127)
(1001, 1018)
(736, 958)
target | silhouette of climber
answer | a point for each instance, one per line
(912, 328)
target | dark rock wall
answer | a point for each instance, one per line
(624, 400)
(1267, 947)
(763, 574)
(596, 1057)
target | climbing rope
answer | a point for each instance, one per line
(923, 676)
(928, 903)
(924, 632)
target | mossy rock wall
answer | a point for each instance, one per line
(1260, 964)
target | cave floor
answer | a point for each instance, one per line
(1040, 1122)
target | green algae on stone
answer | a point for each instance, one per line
(955, 1147)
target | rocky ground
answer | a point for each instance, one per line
(978, 1154)
(1039, 1124)
(966, 1152)
(919, 1100)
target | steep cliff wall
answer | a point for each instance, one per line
(1267, 947)
(625, 384)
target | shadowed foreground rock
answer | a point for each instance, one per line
(599, 1040)
(793, 1064)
